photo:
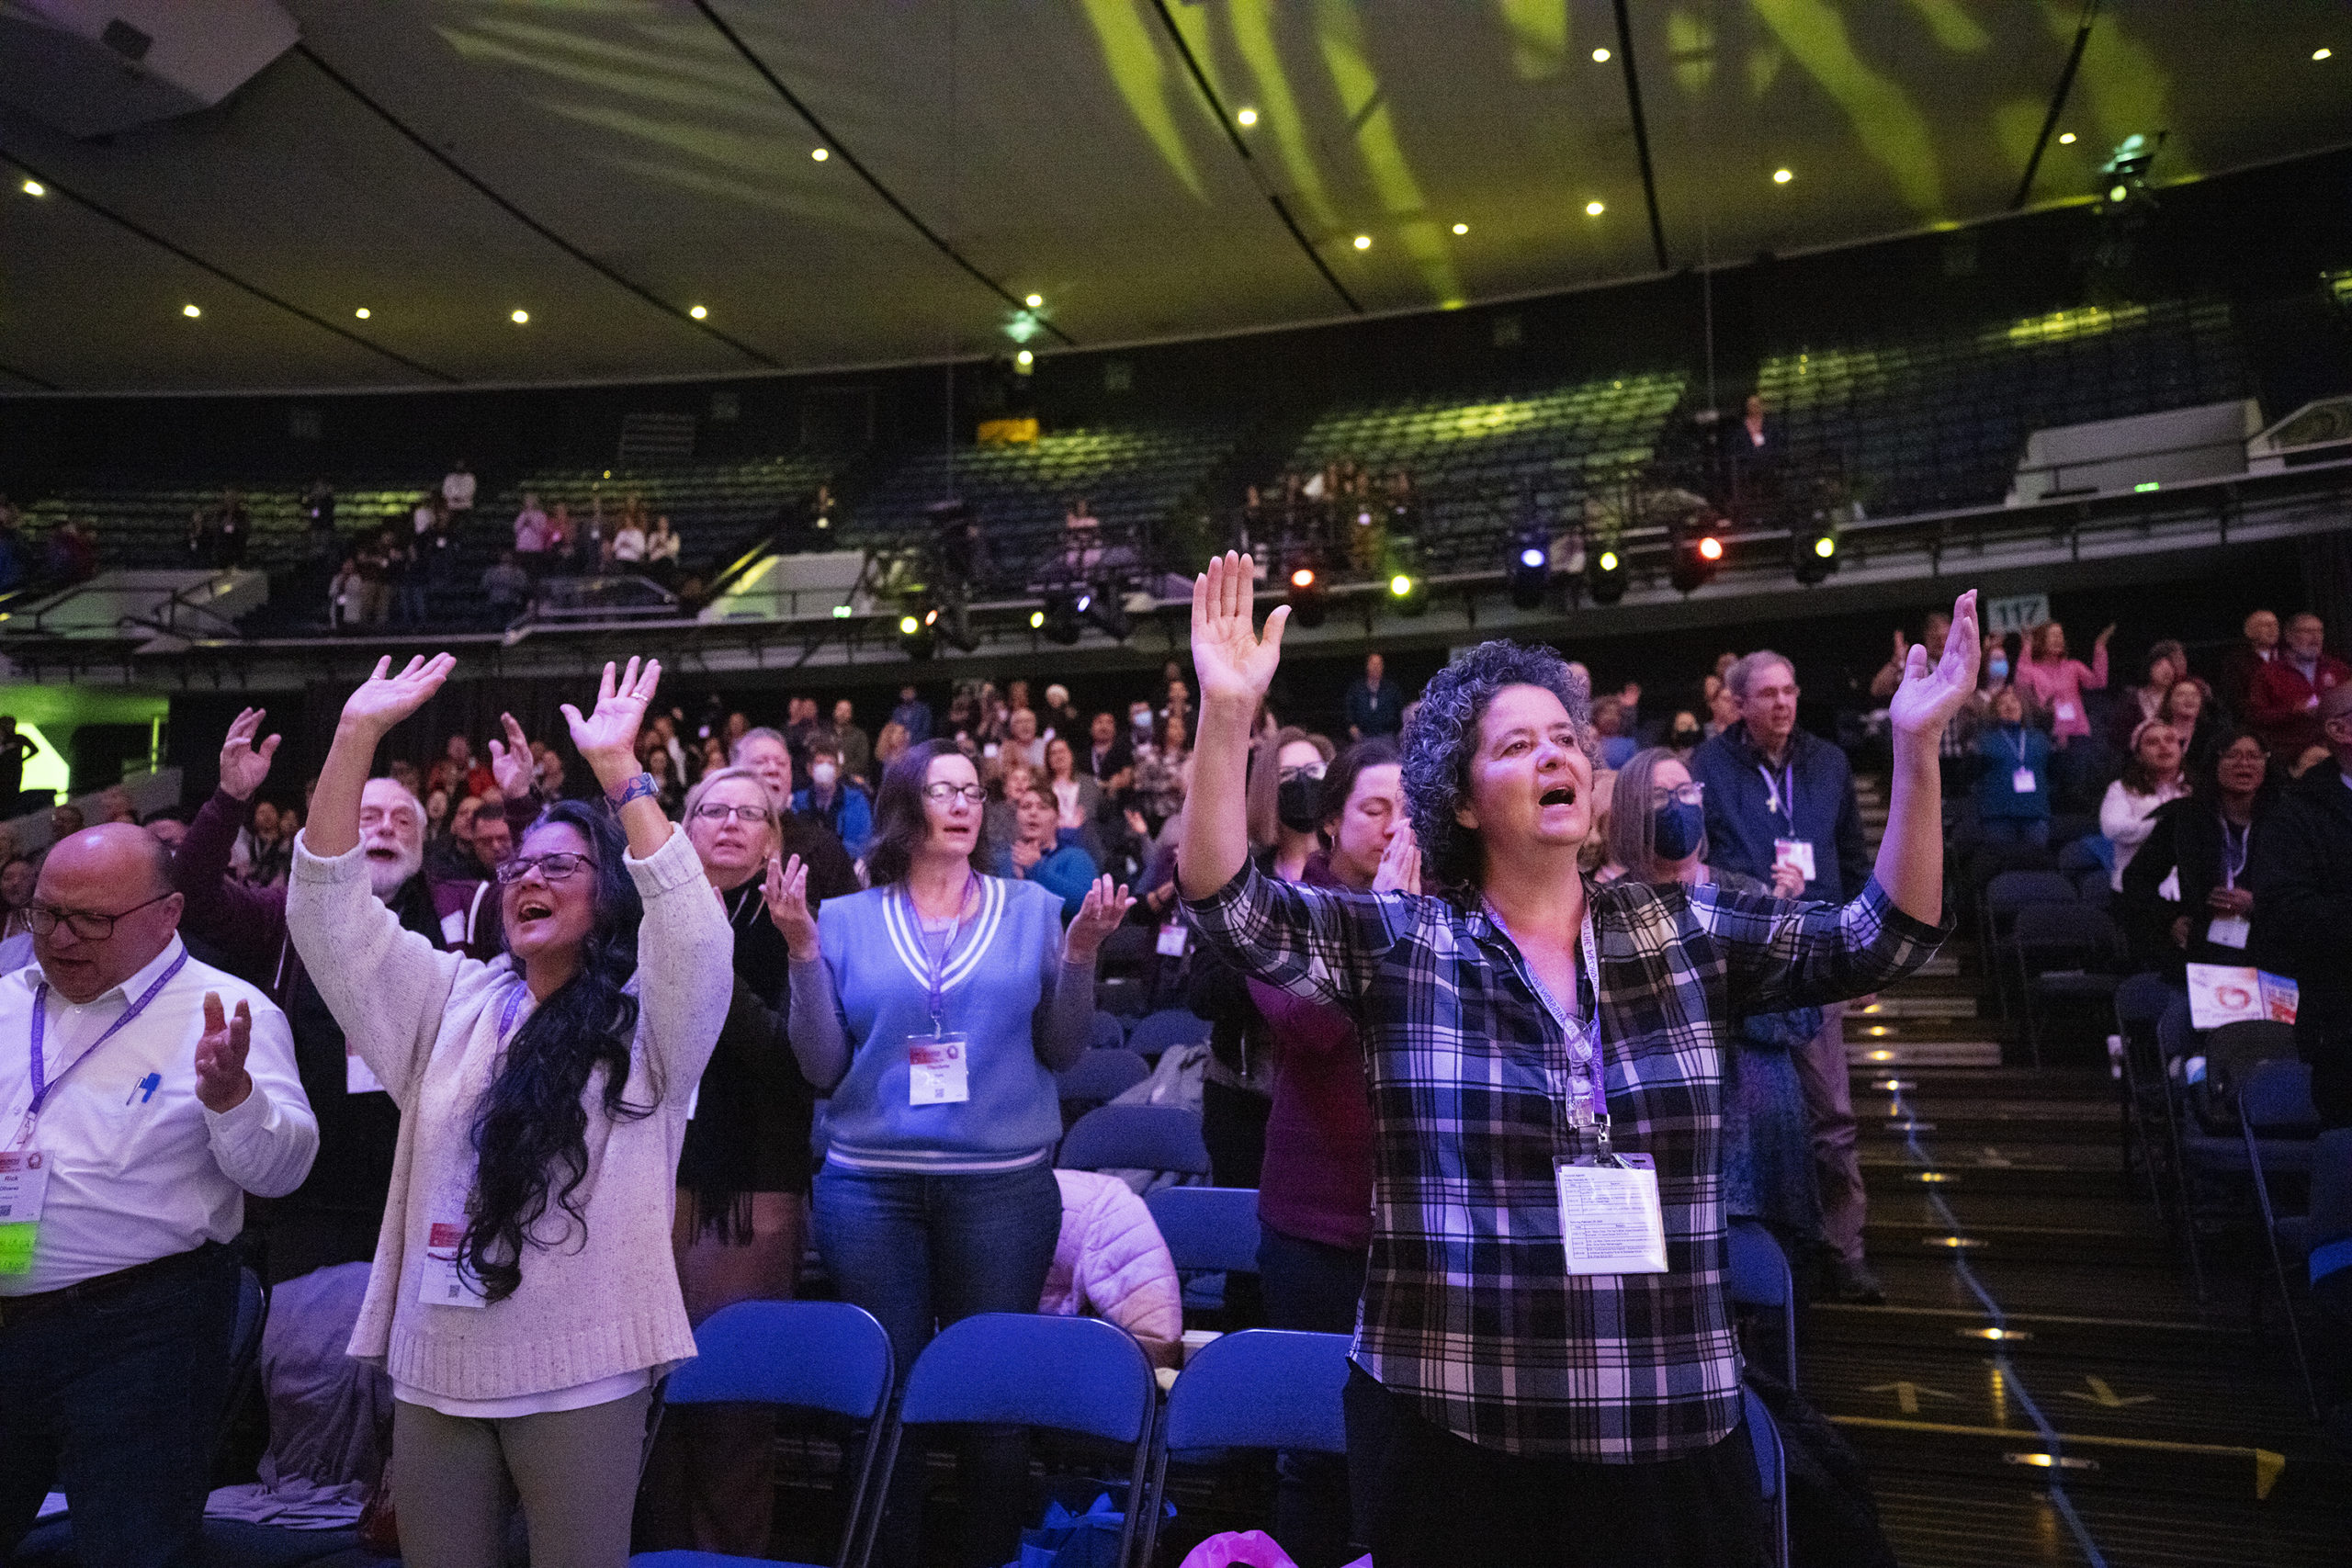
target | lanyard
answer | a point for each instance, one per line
(2237, 844)
(1587, 1093)
(2016, 742)
(936, 963)
(42, 1083)
(507, 1014)
(1781, 795)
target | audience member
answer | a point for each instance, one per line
(1058, 717)
(663, 548)
(15, 749)
(765, 753)
(1042, 852)
(857, 751)
(233, 527)
(1375, 705)
(1932, 632)
(64, 820)
(1163, 773)
(457, 487)
(834, 801)
(117, 1297)
(506, 588)
(1022, 739)
(2186, 895)
(888, 746)
(2152, 777)
(2243, 663)
(1609, 723)
(2056, 683)
(2187, 707)
(2167, 663)
(517, 1193)
(936, 1198)
(1110, 1262)
(17, 880)
(2283, 703)
(628, 545)
(1082, 805)
(912, 715)
(2302, 880)
(2013, 777)
(1780, 809)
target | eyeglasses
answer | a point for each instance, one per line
(1305, 771)
(719, 811)
(941, 794)
(1692, 793)
(554, 868)
(85, 924)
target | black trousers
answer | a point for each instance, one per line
(1443, 1501)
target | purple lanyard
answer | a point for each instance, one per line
(507, 1014)
(1587, 1091)
(935, 964)
(42, 1083)
(1781, 795)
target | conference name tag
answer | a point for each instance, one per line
(1173, 936)
(2065, 710)
(24, 1188)
(445, 1284)
(2229, 930)
(1797, 853)
(937, 1073)
(1609, 1218)
(2023, 781)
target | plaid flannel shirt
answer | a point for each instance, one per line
(1468, 1309)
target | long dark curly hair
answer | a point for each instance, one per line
(1443, 738)
(530, 1129)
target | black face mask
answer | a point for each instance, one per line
(1684, 740)
(1677, 830)
(1299, 802)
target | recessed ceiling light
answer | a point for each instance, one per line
(819, 153)
(1364, 241)
(1247, 117)
(2322, 54)
(1781, 176)
(1034, 300)
(2067, 138)
(1462, 228)
(1024, 357)
(34, 188)
(698, 311)
(190, 311)
(1600, 57)
(1594, 210)
(362, 312)
(520, 318)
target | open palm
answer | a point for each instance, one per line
(1928, 697)
(1234, 662)
(511, 763)
(608, 735)
(384, 699)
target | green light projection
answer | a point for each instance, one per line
(1132, 51)
(2125, 87)
(1341, 34)
(1952, 25)
(1539, 36)
(1893, 131)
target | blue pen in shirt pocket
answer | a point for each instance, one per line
(144, 1090)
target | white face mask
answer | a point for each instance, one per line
(822, 774)
(1140, 720)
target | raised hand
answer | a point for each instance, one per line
(785, 892)
(1400, 863)
(608, 737)
(1928, 698)
(384, 699)
(222, 1081)
(1107, 905)
(510, 764)
(1235, 664)
(244, 765)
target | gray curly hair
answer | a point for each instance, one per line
(1445, 736)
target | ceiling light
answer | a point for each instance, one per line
(1600, 57)
(1594, 210)
(2067, 138)
(520, 318)
(34, 188)
(1035, 301)
(1247, 117)
(698, 311)
(819, 153)
(1364, 241)
(190, 311)
(1024, 357)
(1781, 176)
(2322, 54)
(362, 312)
(1462, 228)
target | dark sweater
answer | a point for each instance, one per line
(1315, 1183)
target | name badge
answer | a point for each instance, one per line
(2065, 711)
(937, 1071)
(1609, 1218)
(2229, 930)
(445, 1284)
(1797, 853)
(2023, 781)
(1173, 939)
(24, 1187)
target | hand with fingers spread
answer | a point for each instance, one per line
(1107, 905)
(1929, 696)
(222, 1081)
(384, 699)
(1235, 663)
(785, 892)
(607, 736)
(511, 763)
(1400, 863)
(244, 765)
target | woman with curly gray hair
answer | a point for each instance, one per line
(1543, 1321)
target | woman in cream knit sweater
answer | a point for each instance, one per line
(523, 1300)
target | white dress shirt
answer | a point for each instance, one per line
(140, 1171)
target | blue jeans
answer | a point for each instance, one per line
(919, 1252)
(119, 1398)
(2034, 830)
(1313, 1286)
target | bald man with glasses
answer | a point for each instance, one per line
(143, 1095)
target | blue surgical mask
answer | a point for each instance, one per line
(1677, 828)
(1999, 666)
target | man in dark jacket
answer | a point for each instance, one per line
(1780, 808)
(2302, 877)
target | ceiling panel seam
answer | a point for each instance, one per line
(1641, 131)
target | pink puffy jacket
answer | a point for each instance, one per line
(1110, 1262)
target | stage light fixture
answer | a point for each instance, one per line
(1781, 176)
(915, 640)
(190, 311)
(34, 188)
(1816, 551)
(1247, 119)
(1594, 210)
(363, 313)
(819, 153)
(1306, 596)
(2124, 178)
(1035, 301)
(1025, 361)
(1364, 241)
(1698, 556)
(1060, 620)
(1604, 575)
(1409, 592)
(1107, 608)
(1529, 576)
(698, 311)
(1462, 228)
(520, 318)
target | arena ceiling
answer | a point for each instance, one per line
(608, 165)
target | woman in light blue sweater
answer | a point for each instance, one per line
(934, 1009)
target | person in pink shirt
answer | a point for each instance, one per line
(2057, 683)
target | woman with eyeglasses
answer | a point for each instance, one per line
(524, 1298)
(934, 1009)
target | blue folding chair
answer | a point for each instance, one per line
(1101, 1074)
(1208, 1229)
(1759, 1278)
(1107, 1031)
(2275, 1116)
(1070, 1374)
(1166, 1029)
(826, 1355)
(1136, 1137)
(1772, 1471)
(1262, 1388)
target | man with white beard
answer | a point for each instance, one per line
(332, 1217)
